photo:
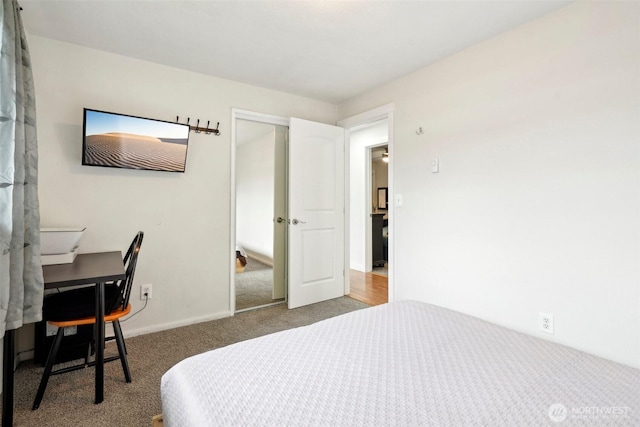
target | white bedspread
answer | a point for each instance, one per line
(406, 364)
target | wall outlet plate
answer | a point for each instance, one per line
(545, 322)
(145, 289)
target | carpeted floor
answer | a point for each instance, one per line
(68, 400)
(254, 286)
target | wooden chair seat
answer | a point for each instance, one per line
(114, 315)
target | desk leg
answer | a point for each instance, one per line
(7, 378)
(99, 338)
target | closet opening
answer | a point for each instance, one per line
(260, 214)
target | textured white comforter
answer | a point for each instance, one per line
(407, 364)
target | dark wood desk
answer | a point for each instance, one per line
(95, 268)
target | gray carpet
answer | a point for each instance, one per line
(68, 400)
(254, 286)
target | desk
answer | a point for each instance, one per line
(94, 268)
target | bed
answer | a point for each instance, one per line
(406, 363)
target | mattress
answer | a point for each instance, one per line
(406, 363)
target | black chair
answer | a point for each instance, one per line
(77, 307)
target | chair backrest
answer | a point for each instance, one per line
(130, 260)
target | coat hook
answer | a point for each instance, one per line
(419, 131)
(198, 129)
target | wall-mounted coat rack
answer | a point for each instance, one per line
(198, 129)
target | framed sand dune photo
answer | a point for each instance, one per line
(122, 141)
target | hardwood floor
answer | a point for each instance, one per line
(369, 288)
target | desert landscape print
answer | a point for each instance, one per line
(114, 140)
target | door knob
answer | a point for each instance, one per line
(296, 221)
(279, 219)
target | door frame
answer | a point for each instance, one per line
(367, 117)
(254, 117)
(380, 113)
(368, 220)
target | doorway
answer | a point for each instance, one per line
(318, 203)
(260, 193)
(314, 218)
(370, 211)
(379, 156)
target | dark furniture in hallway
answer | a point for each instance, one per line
(378, 240)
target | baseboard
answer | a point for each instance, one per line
(259, 257)
(171, 325)
(30, 354)
(358, 267)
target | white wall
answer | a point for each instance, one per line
(255, 187)
(536, 206)
(359, 183)
(185, 217)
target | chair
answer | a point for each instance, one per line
(77, 307)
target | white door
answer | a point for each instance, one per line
(316, 212)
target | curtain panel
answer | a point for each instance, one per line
(21, 282)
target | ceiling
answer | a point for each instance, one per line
(326, 50)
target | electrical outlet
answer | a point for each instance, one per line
(51, 330)
(545, 322)
(145, 292)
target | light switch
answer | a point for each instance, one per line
(435, 165)
(398, 199)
